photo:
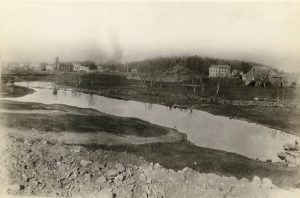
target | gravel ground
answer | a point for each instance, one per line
(42, 168)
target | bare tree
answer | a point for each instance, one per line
(218, 87)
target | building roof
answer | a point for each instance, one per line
(260, 71)
(219, 67)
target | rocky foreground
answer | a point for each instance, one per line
(42, 168)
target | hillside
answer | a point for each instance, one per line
(192, 63)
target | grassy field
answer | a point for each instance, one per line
(75, 122)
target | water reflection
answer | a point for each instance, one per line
(91, 99)
(203, 129)
(54, 91)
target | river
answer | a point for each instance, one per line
(202, 128)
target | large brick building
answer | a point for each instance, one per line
(222, 71)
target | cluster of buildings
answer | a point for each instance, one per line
(58, 66)
(257, 76)
(260, 76)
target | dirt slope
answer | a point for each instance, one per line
(46, 169)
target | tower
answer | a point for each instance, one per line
(56, 63)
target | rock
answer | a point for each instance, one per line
(87, 177)
(186, 169)
(148, 180)
(131, 181)
(156, 165)
(129, 173)
(143, 177)
(25, 177)
(101, 180)
(95, 167)
(102, 165)
(85, 163)
(267, 183)
(293, 153)
(112, 172)
(148, 190)
(245, 180)
(119, 177)
(290, 147)
(105, 194)
(256, 180)
(282, 155)
(14, 188)
(120, 167)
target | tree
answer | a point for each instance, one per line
(218, 87)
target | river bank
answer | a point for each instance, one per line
(26, 123)
(13, 91)
(260, 112)
(235, 101)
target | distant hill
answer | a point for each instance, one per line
(185, 64)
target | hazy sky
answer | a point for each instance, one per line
(262, 32)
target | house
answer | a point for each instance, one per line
(49, 67)
(81, 68)
(100, 68)
(65, 67)
(36, 66)
(236, 72)
(222, 71)
(284, 80)
(259, 76)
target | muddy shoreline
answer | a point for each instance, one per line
(175, 154)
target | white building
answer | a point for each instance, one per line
(36, 66)
(81, 68)
(100, 68)
(222, 71)
(49, 67)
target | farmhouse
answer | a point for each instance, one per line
(222, 71)
(259, 76)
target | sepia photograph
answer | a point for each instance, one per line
(150, 99)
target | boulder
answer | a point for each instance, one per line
(143, 177)
(256, 180)
(267, 183)
(186, 170)
(112, 172)
(120, 167)
(13, 188)
(282, 155)
(101, 180)
(156, 165)
(120, 177)
(85, 163)
(290, 147)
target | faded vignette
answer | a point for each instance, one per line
(128, 99)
